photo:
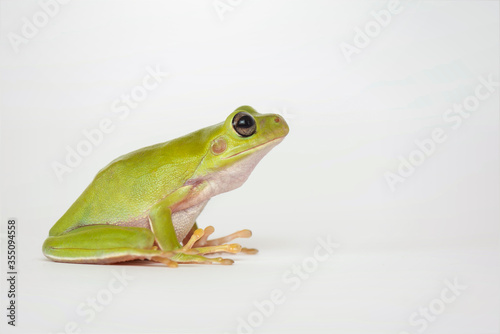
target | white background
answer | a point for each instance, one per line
(349, 123)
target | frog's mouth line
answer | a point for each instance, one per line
(279, 139)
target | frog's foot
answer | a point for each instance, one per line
(191, 258)
(164, 257)
(188, 254)
(203, 241)
(165, 260)
(173, 259)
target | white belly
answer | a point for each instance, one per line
(184, 220)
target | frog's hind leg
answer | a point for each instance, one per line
(105, 244)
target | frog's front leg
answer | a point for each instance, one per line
(204, 242)
(160, 218)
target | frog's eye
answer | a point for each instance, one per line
(244, 124)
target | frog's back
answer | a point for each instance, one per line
(124, 191)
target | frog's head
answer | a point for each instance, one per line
(238, 144)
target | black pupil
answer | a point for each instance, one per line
(245, 122)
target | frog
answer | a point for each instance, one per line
(144, 205)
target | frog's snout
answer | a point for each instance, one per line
(280, 125)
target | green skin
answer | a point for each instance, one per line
(128, 210)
